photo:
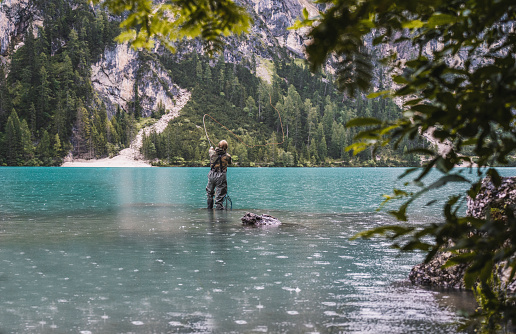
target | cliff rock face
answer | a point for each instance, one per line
(277, 16)
(15, 17)
(493, 197)
(115, 75)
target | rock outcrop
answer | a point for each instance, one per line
(15, 18)
(251, 219)
(433, 274)
(489, 197)
(492, 197)
(277, 16)
(121, 70)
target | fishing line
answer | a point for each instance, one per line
(237, 137)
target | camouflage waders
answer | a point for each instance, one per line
(218, 186)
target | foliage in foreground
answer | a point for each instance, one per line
(470, 105)
(168, 22)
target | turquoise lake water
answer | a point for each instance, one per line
(131, 250)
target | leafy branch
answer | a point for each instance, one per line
(462, 93)
(146, 21)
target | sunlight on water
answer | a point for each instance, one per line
(132, 251)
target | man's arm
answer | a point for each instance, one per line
(212, 152)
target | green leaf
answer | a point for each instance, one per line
(407, 172)
(459, 259)
(446, 179)
(356, 147)
(363, 121)
(440, 20)
(383, 93)
(305, 13)
(470, 279)
(382, 231)
(126, 36)
(401, 213)
(414, 24)
(400, 80)
(495, 177)
(400, 193)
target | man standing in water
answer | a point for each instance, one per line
(217, 183)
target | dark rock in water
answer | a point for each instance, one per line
(433, 274)
(252, 219)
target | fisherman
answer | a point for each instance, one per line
(217, 183)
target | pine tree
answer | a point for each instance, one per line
(26, 141)
(250, 107)
(44, 148)
(207, 76)
(33, 120)
(58, 147)
(320, 138)
(82, 133)
(13, 140)
(198, 71)
(137, 108)
(5, 100)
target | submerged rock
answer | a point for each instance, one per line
(252, 219)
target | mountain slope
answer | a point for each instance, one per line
(88, 94)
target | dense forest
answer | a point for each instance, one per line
(311, 126)
(48, 107)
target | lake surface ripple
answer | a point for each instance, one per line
(128, 250)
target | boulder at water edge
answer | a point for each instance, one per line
(252, 219)
(489, 197)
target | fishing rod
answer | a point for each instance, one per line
(227, 200)
(237, 137)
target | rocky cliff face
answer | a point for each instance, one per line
(15, 17)
(115, 76)
(276, 16)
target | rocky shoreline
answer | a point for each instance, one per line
(432, 273)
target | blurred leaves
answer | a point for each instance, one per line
(462, 93)
(146, 21)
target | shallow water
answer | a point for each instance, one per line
(128, 250)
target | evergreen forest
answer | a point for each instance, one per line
(49, 109)
(48, 106)
(302, 111)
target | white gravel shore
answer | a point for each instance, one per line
(131, 157)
